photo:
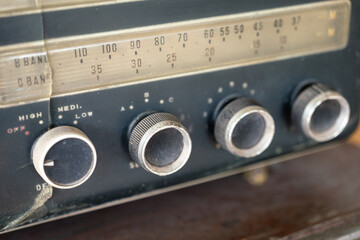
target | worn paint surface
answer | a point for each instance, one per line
(44, 195)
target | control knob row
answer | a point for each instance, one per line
(65, 157)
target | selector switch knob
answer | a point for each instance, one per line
(64, 157)
(320, 112)
(244, 128)
(160, 144)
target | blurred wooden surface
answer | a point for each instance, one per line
(355, 137)
(302, 197)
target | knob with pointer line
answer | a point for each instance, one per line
(64, 157)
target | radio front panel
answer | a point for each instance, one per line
(135, 106)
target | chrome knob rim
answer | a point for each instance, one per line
(145, 131)
(231, 116)
(45, 142)
(310, 101)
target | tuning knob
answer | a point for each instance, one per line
(320, 112)
(244, 128)
(160, 144)
(64, 157)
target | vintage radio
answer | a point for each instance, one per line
(107, 102)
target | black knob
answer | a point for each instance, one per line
(160, 144)
(244, 128)
(320, 112)
(64, 157)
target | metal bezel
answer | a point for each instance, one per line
(265, 139)
(339, 125)
(176, 164)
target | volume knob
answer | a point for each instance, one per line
(244, 128)
(320, 112)
(160, 144)
(64, 157)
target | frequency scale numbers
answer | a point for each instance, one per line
(103, 60)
